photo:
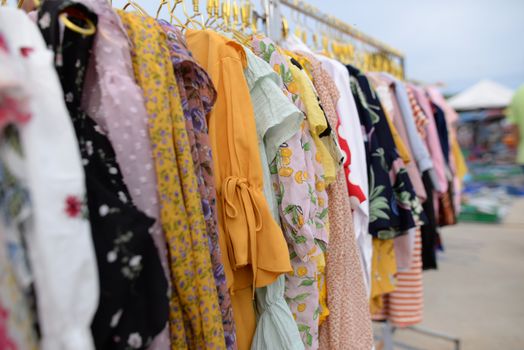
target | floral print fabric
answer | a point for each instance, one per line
(300, 187)
(195, 318)
(16, 316)
(328, 95)
(277, 119)
(344, 270)
(391, 193)
(133, 304)
(115, 102)
(198, 95)
(59, 242)
(255, 251)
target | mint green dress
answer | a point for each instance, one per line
(277, 120)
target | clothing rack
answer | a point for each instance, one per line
(388, 343)
(272, 19)
(330, 21)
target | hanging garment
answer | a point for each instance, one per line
(402, 149)
(385, 88)
(16, 317)
(253, 246)
(391, 192)
(303, 211)
(446, 209)
(343, 252)
(276, 328)
(383, 271)
(301, 53)
(195, 318)
(15, 111)
(308, 313)
(404, 306)
(304, 215)
(277, 120)
(457, 163)
(133, 303)
(387, 92)
(428, 231)
(115, 102)
(16, 299)
(440, 182)
(355, 165)
(404, 244)
(443, 132)
(59, 242)
(461, 169)
(198, 96)
(418, 148)
(349, 280)
(327, 97)
(421, 121)
(318, 125)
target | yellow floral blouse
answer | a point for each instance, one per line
(317, 121)
(195, 319)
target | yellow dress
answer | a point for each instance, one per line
(316, 120)
(254, 251)
(383, 271)
(399, 143)
(384, 262)
(318, 124)
(195, 319)
(461, 168)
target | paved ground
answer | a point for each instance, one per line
(478, 292)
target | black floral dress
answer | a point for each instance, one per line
(133, 305)
(393, 205)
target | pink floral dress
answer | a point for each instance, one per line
(298, 181)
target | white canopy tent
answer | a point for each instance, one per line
(485, 94)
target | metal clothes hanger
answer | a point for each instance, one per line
(284, 27)
(137, 8)
(212, 13)
(161, 6)
(226, 15)
(238, 25)
(190, 19)
(89, 30)
(172, 18)
(197, 19)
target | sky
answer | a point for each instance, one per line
(455, 42)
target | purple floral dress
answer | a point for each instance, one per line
(198, 95)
